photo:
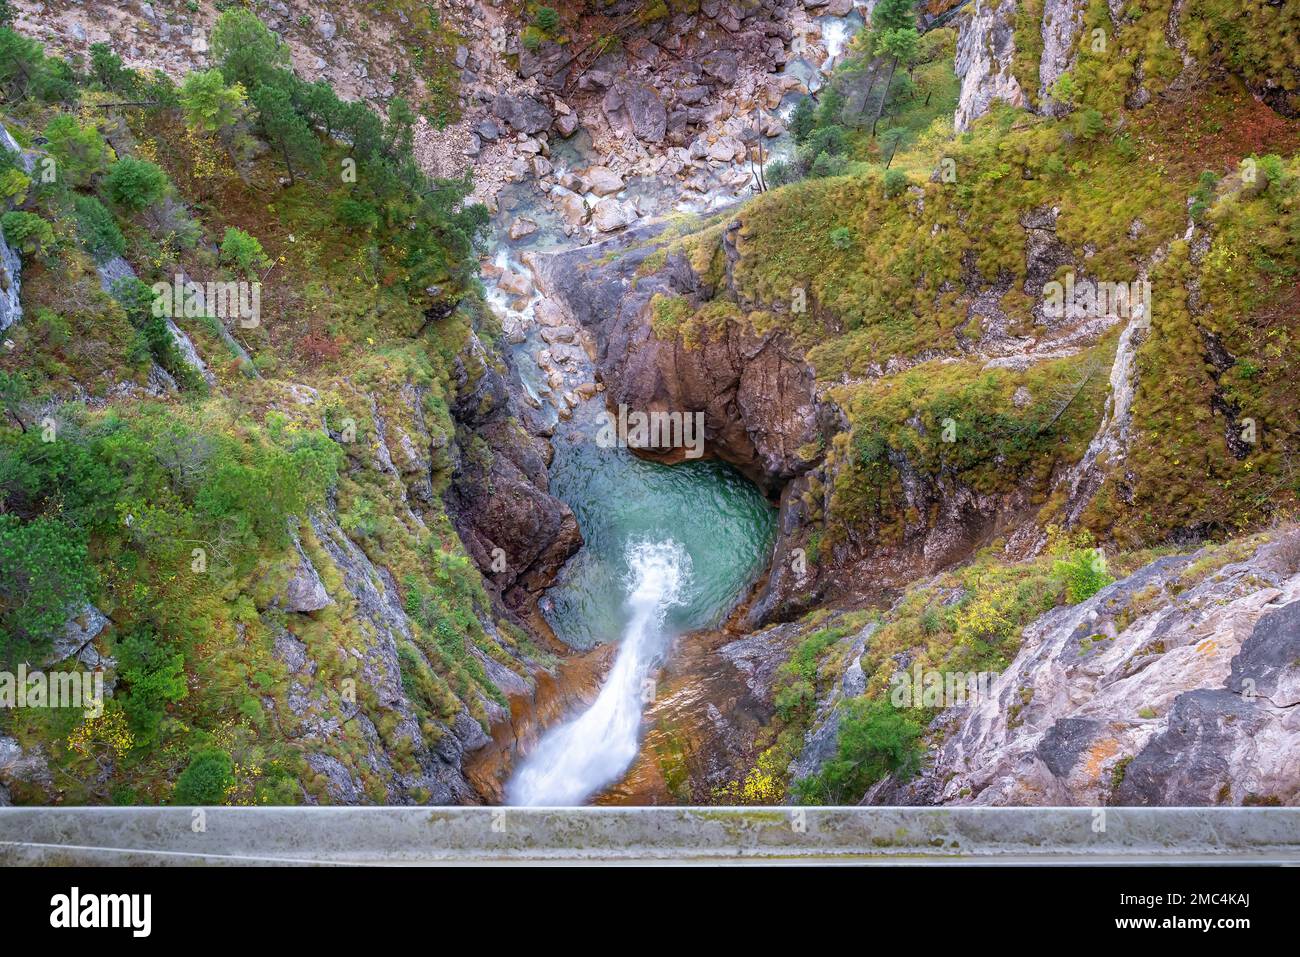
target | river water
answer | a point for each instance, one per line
(668, 549)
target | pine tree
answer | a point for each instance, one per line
(286, 131)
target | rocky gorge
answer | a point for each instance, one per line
(875, 360)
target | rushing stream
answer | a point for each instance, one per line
(667, 549)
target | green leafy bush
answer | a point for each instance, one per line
(210, 774)
(208, 103)
(803, 120)
(358, 215)
(876, 739)
(97, 228)
(155, 677)
(135, 184)
(244, 251)
(45, 576)
(895, 182)
(1084, 572)
(547, 19)
(27, 231)
(80, 153)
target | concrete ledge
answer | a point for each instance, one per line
(427, 835)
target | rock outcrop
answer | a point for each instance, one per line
(755, 390)
(1173, 686)
(517, 533)
(985, 50)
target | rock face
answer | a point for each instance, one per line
(985, 49)
(1062, 21)
(81, 629)
(756, 393)
(374, 600)
(517, 533)
(11, 265)
(1169, 687)
(305, 591)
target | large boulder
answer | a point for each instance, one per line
(721, 65)
(523, 114)
(610, 215)
(602, 180)
(637, 109)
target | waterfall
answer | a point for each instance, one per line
(576, 759)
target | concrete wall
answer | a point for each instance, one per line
(406, 835)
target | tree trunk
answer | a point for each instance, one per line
(884, 96)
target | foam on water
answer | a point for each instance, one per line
(576, 759)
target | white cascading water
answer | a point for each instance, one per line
(576, 759)
(835, 35)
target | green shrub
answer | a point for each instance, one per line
(27, 231)
(208, 103)
(875, 740)
(895, 182)
(358, 215)
(245, 50)
(206, 780)
(841, 237)
(154, 677)
(828, 139)
(778, 173)
(548, 18)
(135, 184)
(107, 71)
(244, 251)
(45, 577)
(827, 165)
(80, 153)
(98, 230)
(1090, 124)
(1203, 195)
(1084, 572)
(803, 120)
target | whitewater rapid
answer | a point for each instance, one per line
(577, 759)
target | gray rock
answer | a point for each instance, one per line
(721, 65)
(521, 113)
(304, 591)
(602, 180)
(17, 766)
(985, 50)
(567, 124)
(610, 215)
(1269, 662)
(637, 109)
(1158, 690)
(79, 631)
